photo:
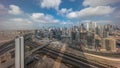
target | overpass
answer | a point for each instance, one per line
(27, 54)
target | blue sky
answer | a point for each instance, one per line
(33, 14)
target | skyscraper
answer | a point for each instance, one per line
(19, 52)
(109, 44)
(90, 26)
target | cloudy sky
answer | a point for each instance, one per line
(32, 14)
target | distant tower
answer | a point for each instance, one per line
(82, 28)
(91, 26)
(19, 52)
(109, 44)
(87, 26)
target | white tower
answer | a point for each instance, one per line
(87, 26)
(19, 52)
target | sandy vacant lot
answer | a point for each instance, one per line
(5, 38)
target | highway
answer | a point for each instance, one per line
(36, 49)
(27, 54)
(6, 48)
(11, 45)
(66, 58)
(5, 44)
(72, 60)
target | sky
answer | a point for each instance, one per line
(34, 14)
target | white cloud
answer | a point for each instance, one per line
(104, 21)
(16, 23)
(15, 10)
(91, 11)
(86, 21)
(50, 4)
(96, 11)
(72, 15)
(68, 22)
(94, 3)
(64, 11)
(97, 21)
(42, 18)
(21, 20)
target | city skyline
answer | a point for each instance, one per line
(24, 14)
(59, 33)
(92, 44)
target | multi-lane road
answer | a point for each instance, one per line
(34, 46)
(73, 60)
(11, 44)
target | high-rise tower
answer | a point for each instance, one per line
(19, 52)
